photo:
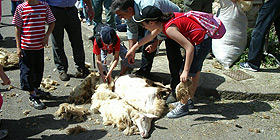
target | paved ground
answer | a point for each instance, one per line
(210, 119)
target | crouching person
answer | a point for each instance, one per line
(182, 32)
(108, 42)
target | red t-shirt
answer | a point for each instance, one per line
(32, 20)
(193, 31)
(97, 50)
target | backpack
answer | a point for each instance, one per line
(213, 25)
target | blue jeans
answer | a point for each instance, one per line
(67, 19)
(269, 13)
(176, 60)
(14, 5)
(31, 69)
(98, 8)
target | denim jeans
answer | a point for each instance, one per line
(176, 60)
(14, 5)
(98, 8)
(31, 69)
(269, 13)
(67, 19)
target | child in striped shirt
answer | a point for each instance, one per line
(30, 18)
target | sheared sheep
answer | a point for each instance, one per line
(134, 100)
(69, 111)
(83, 92)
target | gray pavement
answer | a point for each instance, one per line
(254, 103)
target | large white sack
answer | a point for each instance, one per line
(233, 43)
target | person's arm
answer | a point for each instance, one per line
(100, 67)
(49, 31)
(113, 65)
(4, 77)
(149, 37)
(90, 10)
(174, 34)
(18, 32)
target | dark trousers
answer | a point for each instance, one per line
(147, 58)
(67, 19)
(269, 13)
(31, 69)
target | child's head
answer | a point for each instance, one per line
(108, 35)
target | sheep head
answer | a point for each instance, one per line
(183, 89)
(143, 122)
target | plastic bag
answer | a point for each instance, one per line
(231, 46)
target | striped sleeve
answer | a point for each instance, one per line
(17, 19)
(49, 17)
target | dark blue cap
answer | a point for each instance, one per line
(108, 35)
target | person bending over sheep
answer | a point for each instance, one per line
(181, 32)
(107, 42)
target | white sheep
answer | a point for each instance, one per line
(118, 112)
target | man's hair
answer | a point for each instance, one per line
(121, 5)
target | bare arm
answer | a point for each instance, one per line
(4, 77)
(47, 35)
(174, 34)
(149, 37)
(18, 32)
(114, 64)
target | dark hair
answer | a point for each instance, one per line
(121, 5)
(165, 17)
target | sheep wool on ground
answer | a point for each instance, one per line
(69, 111)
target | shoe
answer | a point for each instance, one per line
(3, 133)
(178, 111)
(190, 104)
(36, 103)
(64, 76)
(42, 94)
(142, 73)
(81, 73)
(246, 66)
(170, 99)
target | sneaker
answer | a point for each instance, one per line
(42, 94)
(36, 103)
(3, 133)
(178, 111)
(64, 76)
(190, 104)
(246, 66)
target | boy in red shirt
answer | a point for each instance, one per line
(106, 43)
(30, 18)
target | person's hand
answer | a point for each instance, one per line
(45, 41)
(103, 78)
(151, 48)
(184, 77)
(19, 53)
(130, 56)
(6, 81)
(108, 78)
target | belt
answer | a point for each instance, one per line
(65, 8)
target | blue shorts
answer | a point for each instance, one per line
(200, 53)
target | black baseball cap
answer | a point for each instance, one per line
(148, 13)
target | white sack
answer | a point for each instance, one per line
(233, 43)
